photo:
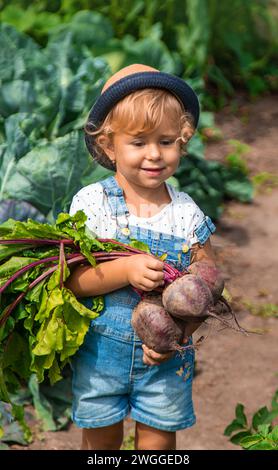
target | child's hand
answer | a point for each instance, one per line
(152, 358)
(144, 272)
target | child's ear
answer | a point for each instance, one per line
(106, 143)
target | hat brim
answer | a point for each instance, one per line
(138, 81)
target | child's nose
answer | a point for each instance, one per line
(154, 151)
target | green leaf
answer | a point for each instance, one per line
(261, 417)
(4, 394)
(22, 130)
(14, 434)
(42, 406)
(88, 28)
(173, 182)
(236, 438)
(206, 119)
(163, 257)
(272, 415)
(274, 402)
(249, 441)
(72, 301)
(240, 415)
(239, 188)
(149, 51)
(8, 250)
(18, 414)
(274, 434)
(22, 19)
(12, 229)
(196, 146)
(12, 265)
(49, 175)
(95, 173)
(54, 373)
(233, 426)
(263, 429)
(263, 445)
(139, 245)
(49, 336)
(20, 51)
(16, 355)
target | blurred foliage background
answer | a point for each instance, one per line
(55, 57)
(228, 44)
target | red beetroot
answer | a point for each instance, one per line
(187, 297)
(155, 327)
(211, 275)
(190, 299)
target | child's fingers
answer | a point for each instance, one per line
(149, 285)
(149, 362)
(154, 356)
(155, 263)
(153, 275)
(152, 362)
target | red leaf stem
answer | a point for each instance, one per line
(62, 263)
(35, 241)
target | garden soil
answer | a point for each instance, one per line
(232, 368)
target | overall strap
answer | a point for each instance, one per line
(115, 197)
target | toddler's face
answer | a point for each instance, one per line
(147, 159)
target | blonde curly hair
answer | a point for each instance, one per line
(140, 112)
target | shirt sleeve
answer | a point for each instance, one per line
(200, 226)
(75, 205)
(89, 200)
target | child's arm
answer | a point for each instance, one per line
(87, 281)
(141, 271)
(202, 252)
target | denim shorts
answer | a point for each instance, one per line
(111, 381)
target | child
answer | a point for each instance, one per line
(137, 127)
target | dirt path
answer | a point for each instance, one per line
(232, 368)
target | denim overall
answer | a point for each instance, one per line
(110, 379)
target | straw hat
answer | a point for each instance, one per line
(127, 80)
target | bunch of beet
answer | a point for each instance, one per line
(161, 320)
